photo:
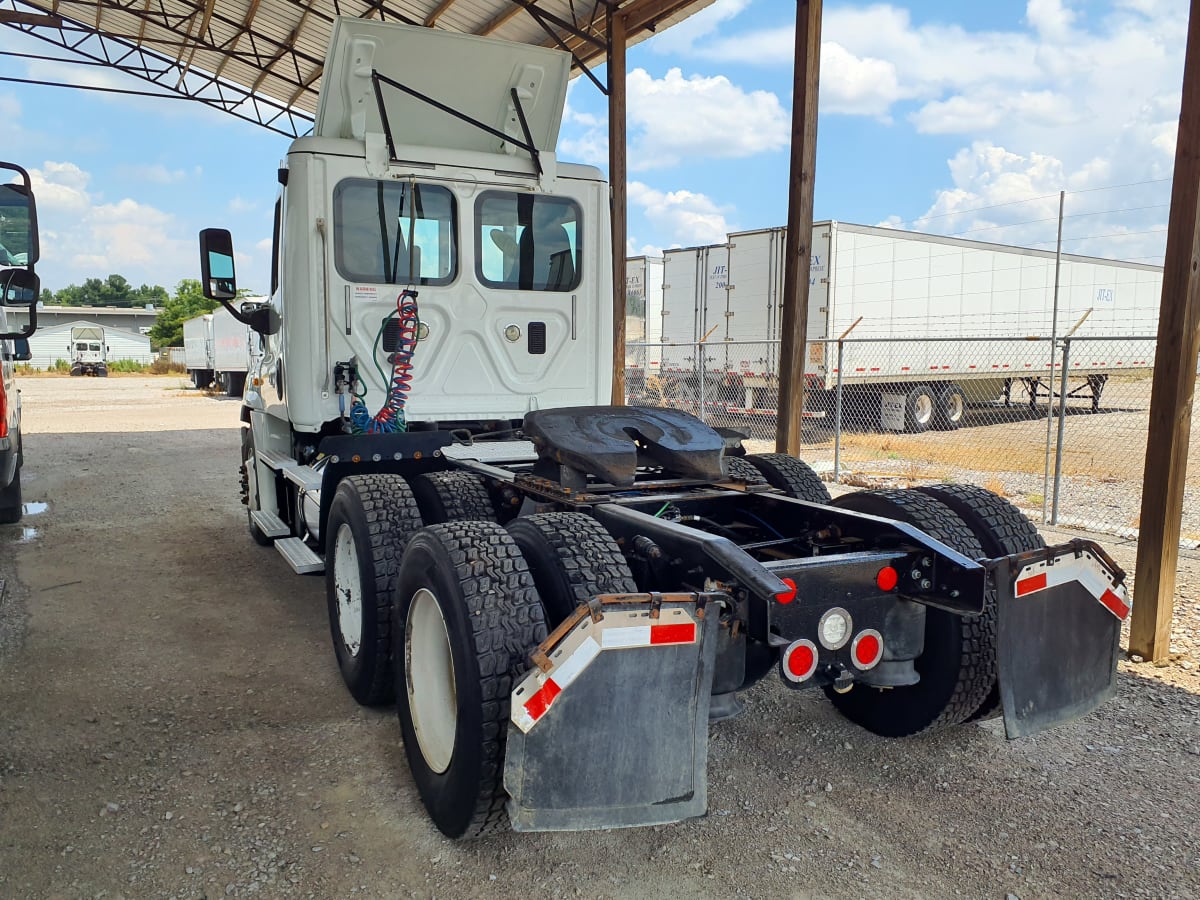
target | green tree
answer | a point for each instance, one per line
(189, 301)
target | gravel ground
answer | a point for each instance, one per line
(172, 724)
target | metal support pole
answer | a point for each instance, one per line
(837, 418)
(1062, 421)
(616, 182)
(700, 380)
(1062, 197)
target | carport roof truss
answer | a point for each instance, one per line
(261, 60)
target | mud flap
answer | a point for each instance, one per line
(1059, 615)
(611, 729)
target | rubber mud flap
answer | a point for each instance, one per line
(1059, 625)
(625, 742)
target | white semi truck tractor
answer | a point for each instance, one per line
(89, 353)
(559, 595)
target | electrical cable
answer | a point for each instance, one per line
(390, 418)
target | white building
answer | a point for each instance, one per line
(53, 342)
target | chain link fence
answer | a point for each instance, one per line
(1059, 428)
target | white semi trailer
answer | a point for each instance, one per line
(888, 292)
(644, 287)
(235, 349)
(219, 350)
(557, 593)
(198, 349)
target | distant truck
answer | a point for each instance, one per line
(869, 282)
(219, 351)
(89, 352)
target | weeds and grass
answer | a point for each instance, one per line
(1035, 499)
(160, 366)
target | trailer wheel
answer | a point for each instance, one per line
(951, 407)
(920, 409)
(1001, 528)
(250, 486)
(370, 521)
(958, 665)
(742, 468)
(452, 497)
(572, 559)
(10, 500)
(467, 616)
(790, 475)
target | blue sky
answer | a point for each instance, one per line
(936, 116)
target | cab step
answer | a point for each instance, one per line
(300, 556)
(270, 524)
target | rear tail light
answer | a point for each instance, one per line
(800, 661)
(867, 649)
(788, 595)
(887, 578)
(3, 410)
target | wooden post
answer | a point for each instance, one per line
(616, 181)
(1174, 380)
(798, 244)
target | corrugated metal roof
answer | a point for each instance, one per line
(262, 59)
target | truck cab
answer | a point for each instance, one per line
(89, 353)
(19, 287)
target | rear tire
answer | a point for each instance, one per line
(452, 497)
(958, 664)
(741, 468)
(370, 521)
(919, 409)
(467, 616)
(1001, 528)
(572, 559)
(10, 500)
(790, 475)
(951, 408)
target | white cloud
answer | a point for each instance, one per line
(685, 217)
(682, 37)
(1049, 17)
(675, 118)
(239, 205)
(83, 237)
(153, 173)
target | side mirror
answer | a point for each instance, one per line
(217, 278)
(18, 221)
(261, 317)
(20, 287)
(21, 351)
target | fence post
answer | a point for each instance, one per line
(700, 381)
(837, 420)
(1062, 420)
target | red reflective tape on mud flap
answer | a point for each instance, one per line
(1030, 585)
(537, 705)
(1115, 605)
(683, 633)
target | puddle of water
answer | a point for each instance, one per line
(35, 508)
(28, 534)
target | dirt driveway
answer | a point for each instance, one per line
(172, 724)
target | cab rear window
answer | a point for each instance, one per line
(394, 232)
(527, 243)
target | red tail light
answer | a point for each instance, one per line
(790, 594)
(887, 578)
(3, 410)
(800, 660)
(867, 649)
